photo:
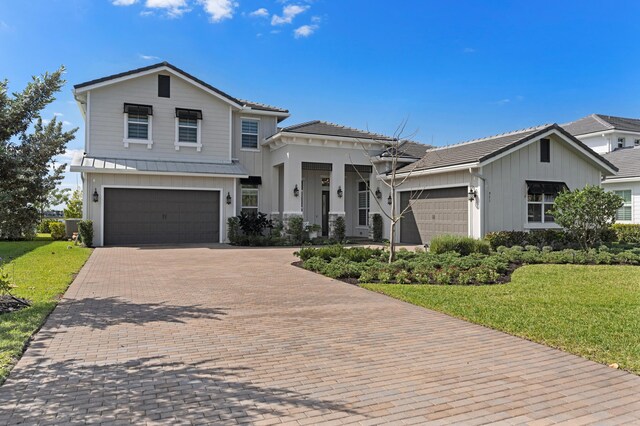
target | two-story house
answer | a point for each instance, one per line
(168, 158)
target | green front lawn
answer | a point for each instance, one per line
(591, 311)
(42, 270)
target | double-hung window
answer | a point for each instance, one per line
(249, 199)
(540, 198)
(188, 123)
(363, 204)
(624, 212)
(138, 124)
(250, 133)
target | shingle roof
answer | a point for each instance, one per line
(318, 127)
(82, 163)
(241, 102)
(479, 150)
(627, 160)
(408, 149)
(600, 123)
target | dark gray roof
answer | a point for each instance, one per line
(253, 105)
(318, 127)
(627, 160)
(408, 149)
(479, 150)
(600, 123)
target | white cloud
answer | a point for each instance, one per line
(261, 13)
(148, 57)
(58, 114)
(174, 8)
(316, 19)
(124, 2)
(304, 31)
(4, 26)
(68, 155)
(503, 101)
(289, 12)
(219, 10)
(66, 123)
(46, 121)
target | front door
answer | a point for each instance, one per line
(325, 213)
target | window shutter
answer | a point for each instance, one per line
(191, 114)
(138, 109)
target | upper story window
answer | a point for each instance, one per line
(188, 123)
(138, 124)
(545, 150)
(624, 212)
(250, 129)
(621, 142)
(164, 86)
(540, 198)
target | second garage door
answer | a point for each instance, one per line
(434, 212)
(159, 216)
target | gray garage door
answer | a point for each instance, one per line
(434, 212)
(159, 216)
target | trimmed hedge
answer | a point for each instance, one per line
(58, 231)
(627, 233)
(458, 244)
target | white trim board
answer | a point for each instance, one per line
(221, 202)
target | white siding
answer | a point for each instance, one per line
(253, 160)
(598, 143)
(107, 121)
(505, 181)
(99, 180)
(635, 196)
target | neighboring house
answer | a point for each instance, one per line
(618, 139)
(169, 158)
(503, 182)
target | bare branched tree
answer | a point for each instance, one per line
(391, 179)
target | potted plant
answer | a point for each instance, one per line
(313, 230)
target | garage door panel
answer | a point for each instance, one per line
(433, 212)
(159, 216)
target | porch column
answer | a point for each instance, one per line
(336, 203)
(276, 186)
(292, 178)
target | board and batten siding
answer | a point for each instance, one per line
(635, 196)
(99, 180)
(107, 121)
(506, 190)
(253, 160)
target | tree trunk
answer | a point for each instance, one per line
(392, 242)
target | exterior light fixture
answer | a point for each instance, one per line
(389, 200)
(472, 194)
(296, 191)
(95, 196)
(378, 193)
(339, 192)
(228, 198)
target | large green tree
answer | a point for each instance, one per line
(28, 147)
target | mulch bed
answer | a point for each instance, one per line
(9, 304)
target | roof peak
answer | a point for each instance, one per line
(499, 135)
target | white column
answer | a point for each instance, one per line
(292, 177)
(337, 181)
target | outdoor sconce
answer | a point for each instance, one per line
(389, 200)
(339, 192)
(296, 191)
(472, 194)
(95, 196)
(378, 193)
(228, 198)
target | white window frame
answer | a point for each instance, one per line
(197, 145)
(127, 141)
(543, 203)
(626, 204)
(636, 142)
(251, 189)
(368, 207)
(257, 134)
(622, 141)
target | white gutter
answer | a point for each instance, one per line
(81, 169)
(622, 180)
(456, 168)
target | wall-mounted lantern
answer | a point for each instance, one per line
(95, 196)
(339, 192)
(389, 200)
(296, 191)
(472, 194)
(228, 198)
(378, 193)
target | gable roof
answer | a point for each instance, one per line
(408, 149)
(237, 102)
(599, 123)
(480, 150)
(317, 127)
(627, 160)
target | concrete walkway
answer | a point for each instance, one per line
(225, 336)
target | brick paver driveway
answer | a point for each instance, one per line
(220, 335)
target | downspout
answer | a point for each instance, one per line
(481, 200)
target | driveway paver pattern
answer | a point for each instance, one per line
(218, 335)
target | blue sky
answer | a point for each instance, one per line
(457, 69)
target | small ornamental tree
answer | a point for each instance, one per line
(74, 206)
(586, 213)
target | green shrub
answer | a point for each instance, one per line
(459, 244)
(295, 229)
(556, 238)
(627, 233)
(354, 254)
(341, 267)
(58, 231)
(233, 230)
(85, 232)
(253, 223)
(43, 226)
(315, 264)
(339, 229)
(377, 227)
